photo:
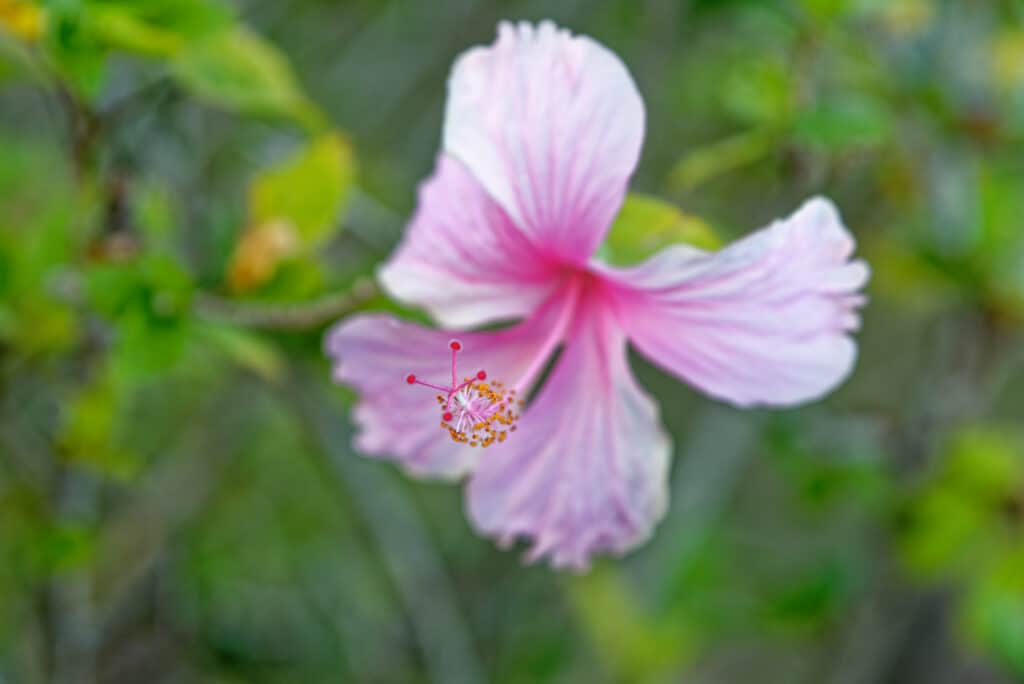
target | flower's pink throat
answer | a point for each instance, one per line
(474, 412)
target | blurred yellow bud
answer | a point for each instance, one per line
(23, 18)
(259, 252)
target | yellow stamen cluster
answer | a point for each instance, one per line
(500, 407)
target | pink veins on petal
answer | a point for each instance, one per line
(474, 412)
(542, 132)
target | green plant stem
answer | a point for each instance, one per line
(296, 316)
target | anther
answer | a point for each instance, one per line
(473, 412)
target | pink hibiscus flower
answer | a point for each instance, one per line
(542, 132)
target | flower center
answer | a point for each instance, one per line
(474, 412)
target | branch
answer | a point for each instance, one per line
(287, 317)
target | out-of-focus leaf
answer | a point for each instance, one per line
(958, 525)
(999, 253)
(147, 301)
(307, 191)
(16, 61)
(826, 10)
(909, 279)
(8, 322)
(760, 92)
(807, 601)
(707, 162)
(148, 345)
(154, 215)
(81, 34)
(993, 613)
(89, 433)
(77, 52)
(155, 27)
(844, 122)
(44, 327)
(120, 29)
(169, 285)
(647, 224)
(241, 71)
(986, 463)
(63, 546)
(638, 648)
(247, 350)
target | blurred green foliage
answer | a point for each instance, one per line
(192, 190)
(966, 525)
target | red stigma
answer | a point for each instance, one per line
(473, 412)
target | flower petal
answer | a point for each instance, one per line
(461, 258)
(763, 321)
(551, 124)
(587, 470)
(374, 353)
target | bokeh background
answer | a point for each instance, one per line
(192, 190)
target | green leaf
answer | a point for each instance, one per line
(907, 277)
(90, 429)
(188, 19)
(985, 463)
(248, 350)
(760, 91)
(636, 646)
(119, 29)
(993, 613)
(308, 191)
(154, 212)
(963, 517)
(17, 62)
(240, 71)
(715, 159)
(844, 123)
(63, 546)
(77, 52)
(647, 224)
(812, 598)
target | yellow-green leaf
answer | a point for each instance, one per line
(238, 70)
(635, 645)
(307, 191)
(122, 29)
(647, 224)
(90, 427)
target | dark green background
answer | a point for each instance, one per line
(179, 498)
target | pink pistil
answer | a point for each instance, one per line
(474, 412)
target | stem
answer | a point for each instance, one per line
(285, 317)
(715, 159)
